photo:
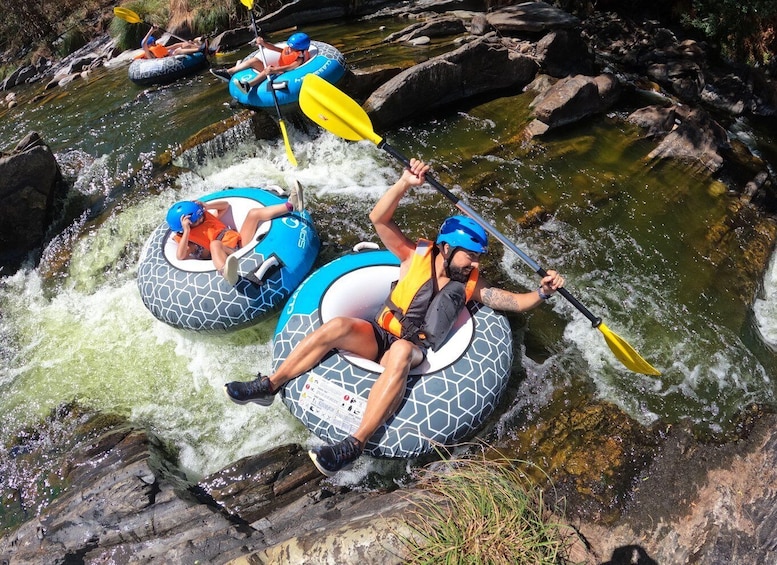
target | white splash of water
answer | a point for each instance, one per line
(708, 372)
(765, 307)
(91, 338)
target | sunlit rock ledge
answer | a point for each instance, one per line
(93, 487)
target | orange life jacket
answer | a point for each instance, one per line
(405, 309)
(289, 56)
(158, 50)
(212, 229)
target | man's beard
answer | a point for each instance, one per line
(458, 274)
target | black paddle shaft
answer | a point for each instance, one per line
(464, 207)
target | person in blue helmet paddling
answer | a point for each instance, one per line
(436, 279)
(295, 53)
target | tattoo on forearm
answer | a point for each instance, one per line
(499, 299)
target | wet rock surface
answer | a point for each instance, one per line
(31, 187)
(700, 502)
(483, 65)
(116, 494)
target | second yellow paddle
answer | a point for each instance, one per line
(133, 18)
(289, 153)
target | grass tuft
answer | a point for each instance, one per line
(482, 512)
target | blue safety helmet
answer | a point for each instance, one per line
(151, 39)
(299, 41)
(465, 233)
(181, 209)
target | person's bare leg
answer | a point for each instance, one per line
(383, 401)
(186, 49)
(218, 253)
(256, 216)
(387, 392)
(251, 63)
(350, 334)
(257, 79)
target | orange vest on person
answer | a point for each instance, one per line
(158, 50)
(212, 229)
(289, 56)
(405, 309)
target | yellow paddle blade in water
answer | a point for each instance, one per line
(289, 154)
(335, 111)
(127, 15)
(625, 353)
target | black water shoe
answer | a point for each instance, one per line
(258, 390)
(332, 458)
(221, 74)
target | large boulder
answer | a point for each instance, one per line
(232, 39)
(683, 78)
(486, 64)
(530, 17)
(438, 26)
(19, 76)
(656, 120)
(95, 53)
(120, 497)
(698, 139)
(360, 83)
(30, 185)
(572, 99)
(700, 503)
(563, 53)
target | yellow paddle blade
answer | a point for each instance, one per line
(248, 4)
(289, 153)
(334, 111)
(626, 354)
(127, 15)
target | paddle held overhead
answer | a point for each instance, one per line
(334, 111)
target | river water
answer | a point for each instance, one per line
(627, 233)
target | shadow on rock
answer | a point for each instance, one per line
(630, 555)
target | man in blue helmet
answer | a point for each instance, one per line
(435, 282)
(294, 54)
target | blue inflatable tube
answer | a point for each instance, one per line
(166, 69)
(192, 295)
(325, 61)
(449, 396)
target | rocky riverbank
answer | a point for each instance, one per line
(124, 500)
(636, 495)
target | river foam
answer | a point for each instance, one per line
(86, 336)
(765, 307)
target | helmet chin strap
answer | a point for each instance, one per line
(447, 258)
